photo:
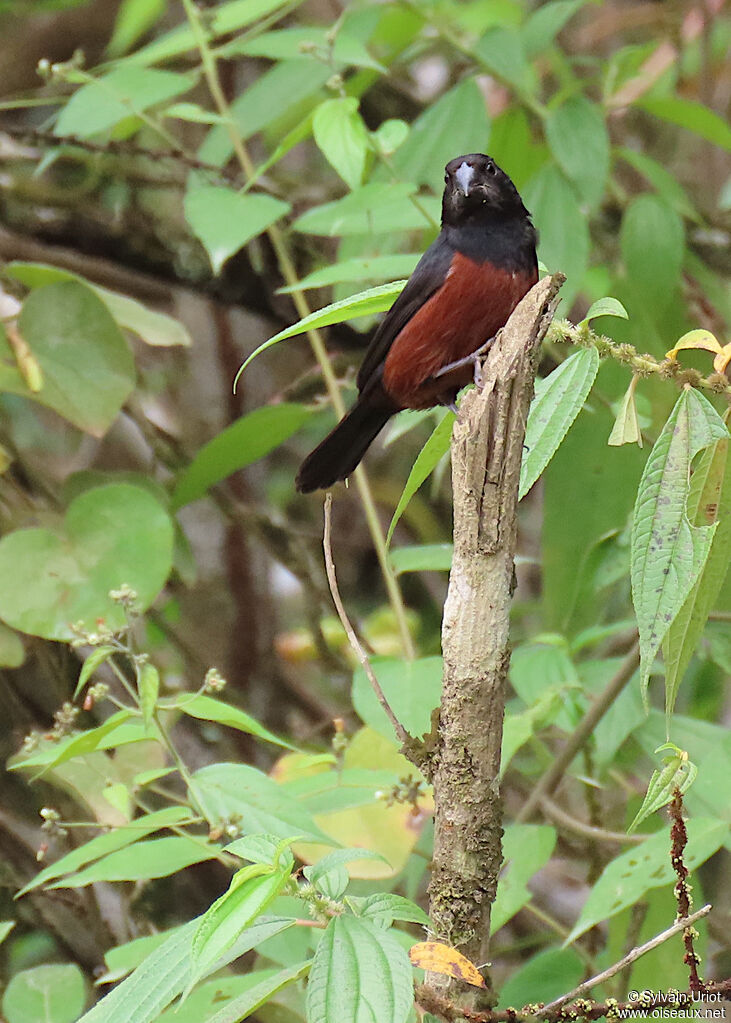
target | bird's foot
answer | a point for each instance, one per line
(474, 359)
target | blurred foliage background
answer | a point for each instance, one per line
(118, 166)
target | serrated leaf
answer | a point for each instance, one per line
(626, 879)
(678, 773)
(439, 958)
(365, 303)
(342, 137)
(626, 429)
(667, 552)
(230, 915)
(426, 461)
(246, 440)
(164, 973)
(224, 220)
(605, 307)
(557, 402)
(385, 907)
(360, 974)
(92, 662)
(709, 502)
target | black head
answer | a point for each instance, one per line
(476, 188)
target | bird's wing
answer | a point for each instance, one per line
(428, 276)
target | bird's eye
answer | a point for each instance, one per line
(491, 168)
(446, 179)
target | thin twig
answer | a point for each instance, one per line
(549, 782)
(631, 957)
(679, 839)
(355, 643)
(557, 814)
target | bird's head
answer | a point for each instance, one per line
(474, 186)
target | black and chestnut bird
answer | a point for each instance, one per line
(461, 293)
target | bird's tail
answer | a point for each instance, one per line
(341, 451)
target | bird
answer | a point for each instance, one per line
(461, 292)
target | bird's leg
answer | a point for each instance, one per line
(472, 359)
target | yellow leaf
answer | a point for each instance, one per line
(438, 958)
(697, 339)
(722, 359)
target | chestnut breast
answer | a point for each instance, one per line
(471, 306)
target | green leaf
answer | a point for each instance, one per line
(299, 44)
(291, 84)
(6, 927)
(678, 774)
(360, 974)
(558, 400)
(691, 115)
(249, 1001)
(668, 552)
(231, 790)
(192, 112)
(564, 235)
(652, 244)
(155, 857)
(458, 122)
(230, 915)
(374, 268)
(164, 974)
(709, 501)
(111, 536)
(205, 708)
(245, 441)
(95, 659)
(53, 993)
(86, 365)
(413, 688)
(125, 91)
(225, 18)
(372, 209)
(605, 307)
(579, 140)
(526, 848)
(12, 651)
(547, 975)
(134, 19)
(426, 461)
(543, 25)
(342, 137)
(626, 429)
(501, 51)
(152, 327)
(329, 873)
(107, 843)
(365, 303)
(665, 184)
(384, 907)
(390, 135)
(626, 879)
(427, 557)
(224, 220)
(148, 687)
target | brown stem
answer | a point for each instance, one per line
(679, 839)
(487, 447)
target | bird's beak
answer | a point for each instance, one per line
(464, 177)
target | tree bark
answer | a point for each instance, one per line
(487, 447)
